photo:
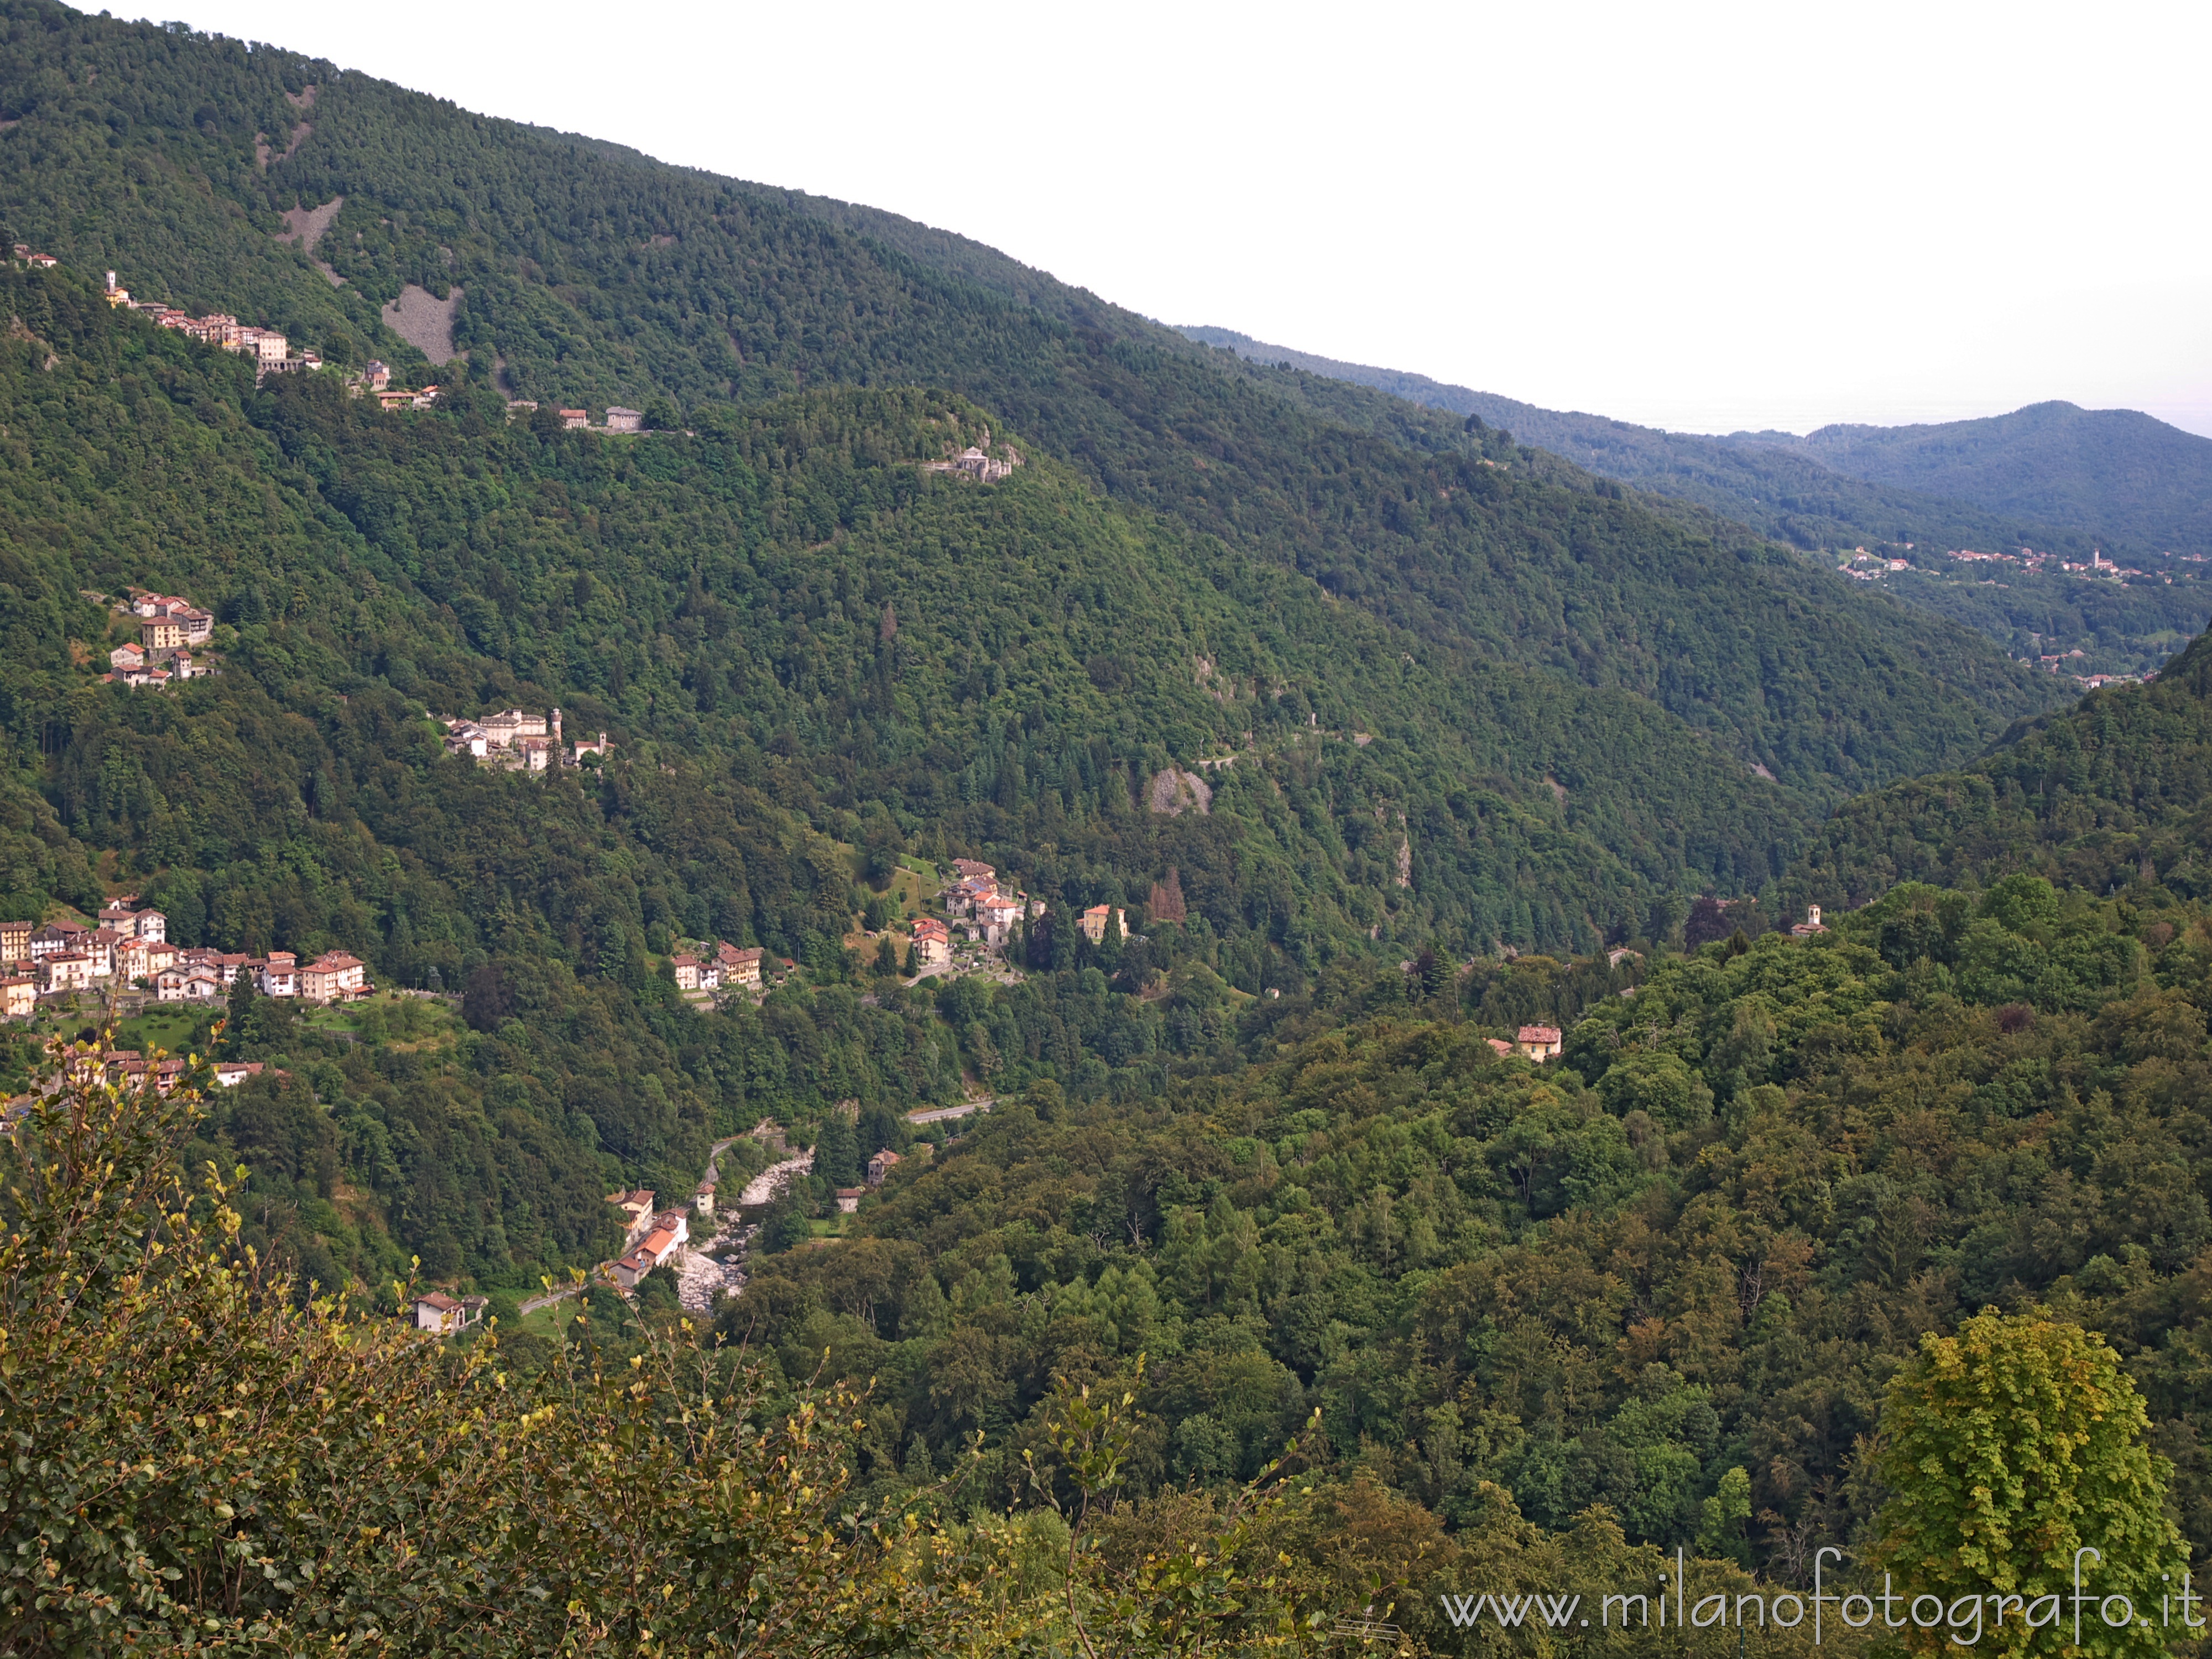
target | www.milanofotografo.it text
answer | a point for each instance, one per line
(1964, 1617)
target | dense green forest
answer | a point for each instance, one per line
(814, 658)
(2104, 796)
(1700, 1244)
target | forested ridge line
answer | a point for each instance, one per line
(2107, 794)
(727, 291)
(1783, 487)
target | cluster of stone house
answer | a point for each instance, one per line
(879, 1171)
(169, 626)
(130, 946)
(270, 351)
(376, 381)
(977, 464)
(991, 914)
(519, 742)
(399, 397)
(130, 1068)
(208, 975)
(54, 958)
(649, 1237)
(126, 1066)
(724, 968)
(579, 420)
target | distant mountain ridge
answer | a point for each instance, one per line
(2147, 484)
(2050, 476)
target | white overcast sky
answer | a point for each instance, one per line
(1703, 216)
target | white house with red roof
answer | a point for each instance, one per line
(187, 981)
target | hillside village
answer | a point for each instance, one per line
(2037, 572)
(273, 353)
(515, 741)
(705, 1245)
(129, 949)
(172, 633)
(270, 351)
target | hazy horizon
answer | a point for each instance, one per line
(1800, 426)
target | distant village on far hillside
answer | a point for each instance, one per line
(1966, 566)
(517, 742)
(273, 354)
(170, 628)
(129, 952)
(978, 463)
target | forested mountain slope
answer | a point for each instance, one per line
(1678, 1264)
(590, 274)
(2114, 792)
(2118, 471)
(790, 585)
(1449, 696)
(813, 657)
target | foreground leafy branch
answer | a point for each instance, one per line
(202, 1460)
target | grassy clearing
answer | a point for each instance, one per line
(165, 1026)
